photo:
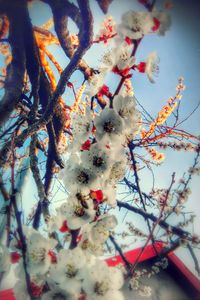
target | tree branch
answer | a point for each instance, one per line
(17, 14)
(175, 230)
(61, 11)
(43, 201)
(117, 247)
(85, 43)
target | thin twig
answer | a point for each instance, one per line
(154, 225)
(196, 263)
(117, 247)
(175, 230)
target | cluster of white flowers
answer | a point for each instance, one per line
(119, 59)
(38, 261)
(135, 284)
(97, 161)
(95, 167)
(68, 273)
(182, 196)
(137, 24)
(107, 30)
(90, 175)
(80, 270)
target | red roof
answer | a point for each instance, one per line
(7, 295)
(132, 255)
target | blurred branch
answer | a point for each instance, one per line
(196, 263)
(17, 15)
(43, 202)
(61, 11)
(118, 249)
(18, 215)
(134, 164)
(154, 224)
(175, 230)
(104, 5)
(3, 190)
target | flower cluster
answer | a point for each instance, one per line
(178, 146)
(163, 200)
(194, 170)
(93, 166)
(135, 282)
(134, 230)
(137, 24)
(118, 60)
(157, 156)
(68, 273)
(96, 161)
(107, 31)
(183, 195)
(164, 114)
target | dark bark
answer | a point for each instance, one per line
(61, 11)
(17, 15)
(104, 5)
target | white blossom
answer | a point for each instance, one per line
(95, 234)
(107, 221)
(96, 81)
(109, 127)
(134, 127)
(120, 57)
(76, 177)
(66, 272)
(152, 67)
(77, 211)
(164, 21)
(102, 282)
(38, 247)
(57, 294)
(97, 159)
(125, 106)
(117, 171)
(135, 24)
(90, 246)
(82, 126)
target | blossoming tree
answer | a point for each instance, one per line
(87, 145)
